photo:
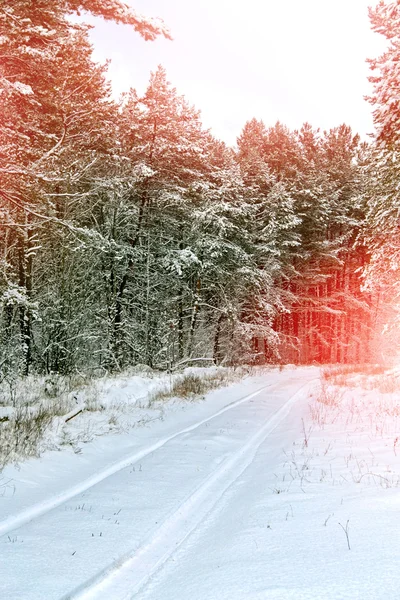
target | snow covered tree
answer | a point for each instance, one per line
(381, 236)
(163, 145)
(273, 229)
(385, 19)
(331, 310)
(315, 219)
(119, 12)
(56, 130)
(190, 263)
(129, 234)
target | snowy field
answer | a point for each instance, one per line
(282, 485)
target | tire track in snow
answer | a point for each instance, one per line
(37, 510)
(130, 574)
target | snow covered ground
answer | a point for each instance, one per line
(272, 488)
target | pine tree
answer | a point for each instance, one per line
(385, 19)
(56, 134)
(381, 236)
(273, 229)
(164, 146)
(312, 223)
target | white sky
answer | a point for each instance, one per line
(287, 60)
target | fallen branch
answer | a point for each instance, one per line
(74, 413)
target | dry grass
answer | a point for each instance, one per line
(329, 395)
(191, 386)
(353, 434)
(28, 407)
(326, 406)
(31, 390)
(22, 434)
(374, 407)
(388, 384)
(349, 375)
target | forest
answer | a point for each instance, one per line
(130, 235)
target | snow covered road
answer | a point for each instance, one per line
(228, 502)
(106, 536)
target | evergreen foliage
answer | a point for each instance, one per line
(130, 235)
(382, 174)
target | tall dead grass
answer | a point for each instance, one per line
(192, 385)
